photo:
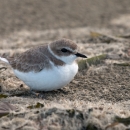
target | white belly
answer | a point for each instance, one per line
(49, 79)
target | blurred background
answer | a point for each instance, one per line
(31, 15)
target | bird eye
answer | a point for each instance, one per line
(64, 50)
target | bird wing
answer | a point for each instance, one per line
(31, 60)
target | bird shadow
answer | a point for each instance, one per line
(33, 94)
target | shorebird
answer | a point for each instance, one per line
(47, 67)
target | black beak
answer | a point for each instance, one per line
(80, 55)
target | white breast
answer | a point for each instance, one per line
(49, 79)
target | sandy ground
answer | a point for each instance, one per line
(99, 96)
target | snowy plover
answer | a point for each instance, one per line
(46, 67)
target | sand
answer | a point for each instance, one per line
(99, 96)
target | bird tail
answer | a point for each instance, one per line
(4, 59)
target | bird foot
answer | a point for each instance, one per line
(37, 94)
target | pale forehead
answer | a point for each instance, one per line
(64, 43)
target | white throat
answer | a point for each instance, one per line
(67, 59)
